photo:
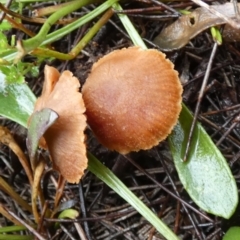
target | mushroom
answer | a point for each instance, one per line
(65, 139)
(132, 98)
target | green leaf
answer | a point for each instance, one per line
(107, 176)
(11, 54)
(40, 122)
(4, 46)
(232, 234)
(205, 175)
(3, 41)
(5, 25)
(15, 73)
(12, 229)
(11, 75)
(15, 237)
(216, 35)
(69, 213)
(17, 100)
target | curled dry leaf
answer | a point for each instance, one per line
(65, 138)
(179, 33)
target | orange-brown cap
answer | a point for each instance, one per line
(65, 138)
(133, 99)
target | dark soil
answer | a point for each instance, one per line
(102, 213)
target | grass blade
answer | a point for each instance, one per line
(115, 184)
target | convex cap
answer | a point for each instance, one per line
(132, 98)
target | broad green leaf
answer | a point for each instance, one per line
(12, 75)
(205, 175)
(107, 176)
(232, 234)
(15, 73)
(5, 25)
(40, 122)
(17, 100)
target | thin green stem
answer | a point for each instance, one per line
(84, 41)
(34, 42)
(91, 33)
(133, 34)
(44, 52)
(10, 229)
(102, 172)
(58, 34)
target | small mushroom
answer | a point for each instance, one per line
(65, 139)
(132, 98)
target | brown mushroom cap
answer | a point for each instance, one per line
(65, 138)
(133, 99)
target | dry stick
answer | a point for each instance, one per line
(95, 199)
(3, 13)
(7, 139)
(204, 84)
(143, 193)
(67, 232)
(140, 10)
(93, 219)
(83, 209)
(161, 17)
(231, 22)
(120, 231)
(212, 235)
(36, 189)
(227, 121)
(80, 231)
(160, 214)
(15, 196)
(8, 216)
(59, 193)
(231, 139)
(177, 218)
(44, 11)
(166, 7)
(19, 26)
(234, 159)
(31, 229)
(43, 213)
(31, 19)
(166, 189)
(221, 110)
(236, 121)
